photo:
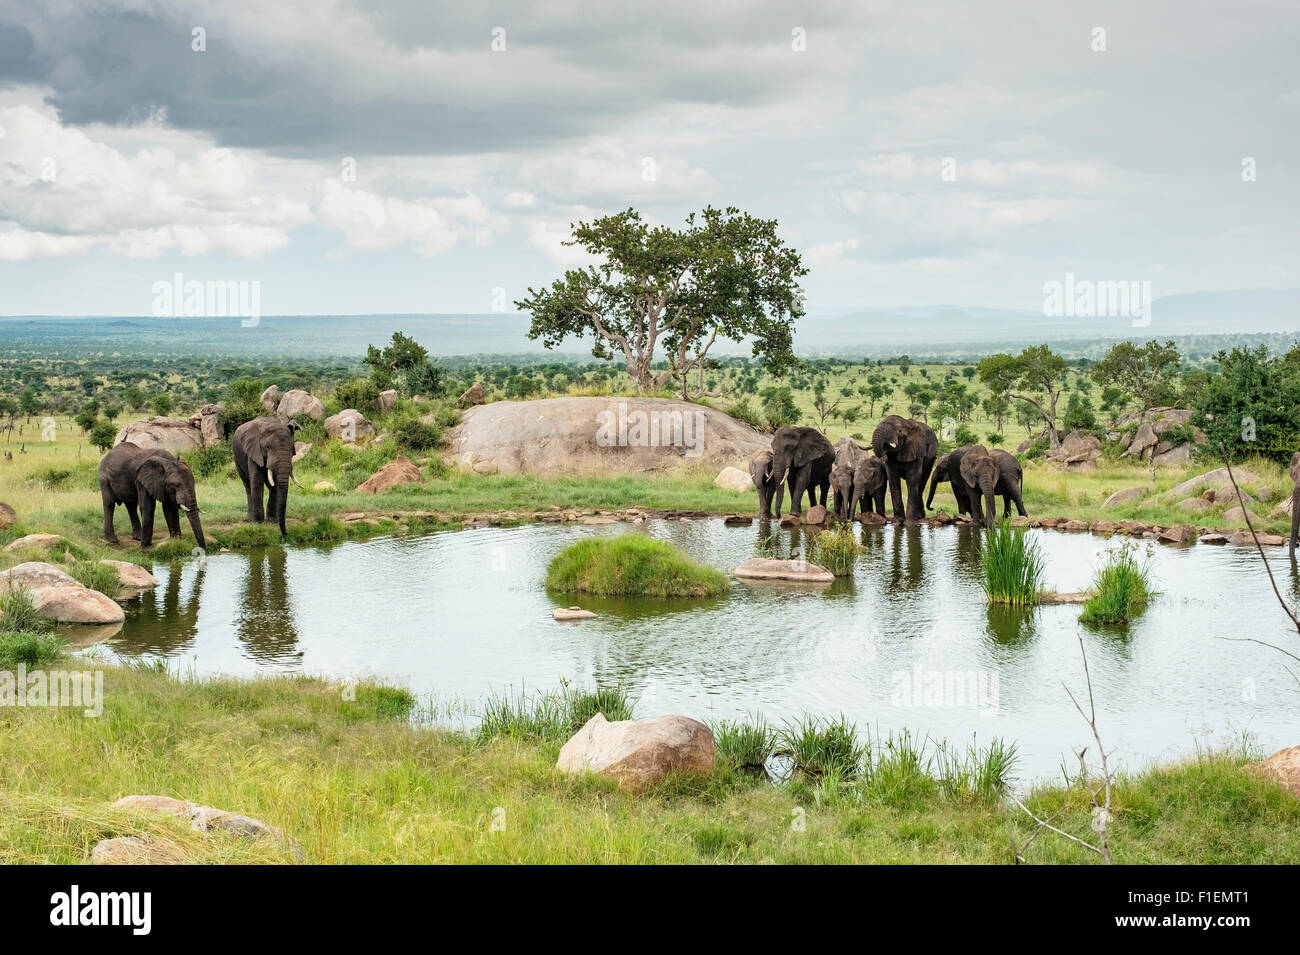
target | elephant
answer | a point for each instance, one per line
(870, 479)
(769, 485)
(847, 455)
(263, 450)
(135, 477)
(988, 474)
(803, 457)
(948, 468)
(1295, 502)
(908, 447)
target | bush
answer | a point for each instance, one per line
(1123, 586)
(29, 649)
(416, 435)
(746, 745)
(631, 566)
(211, 460)
(835, 550)
(359, 393)
(742, 410)
(818, 749)
(1013, 566)
(18, 614)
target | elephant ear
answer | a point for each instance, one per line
(257, 450)
(808, 451)
(293, 426)
(968, 469)
(151, 478)
(909, 446)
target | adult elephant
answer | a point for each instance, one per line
(1295, 501)
(989, 474)
(847, 455)
(138, 478)
(948, 468)
(803, 457)
(908, 447)
(870, 480)
(263, 450)
(767, 483)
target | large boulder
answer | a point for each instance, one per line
(57, 596)
(1129, 495)
(33, 540)
(387, 401)
(639, 754)
(395, 473)
(207, 818)
(166, 434)
(591, 435)
(1076, 448)
(1177, 456)
(473, 395)
(211, 420)
(300, 450)
(734, 479)
(1215, 478)
(297, 403)
(1194, 505)
(271, 398)
(799, 571)
(1283, 767)
(349, 426)
(132, 576)
(8, 516)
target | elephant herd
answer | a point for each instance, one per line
(139, 479)
(903, 450)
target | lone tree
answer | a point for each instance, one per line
(1147, 372)
(1038, 372)
(725, 275)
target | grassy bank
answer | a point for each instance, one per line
(631, 565)
(356, 782)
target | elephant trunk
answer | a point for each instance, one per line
(280, 497)
(990, 501)
(934, 486)
(197, 527)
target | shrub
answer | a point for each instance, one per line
(211, 460)
(745, 744)
(28, 648)
(97, 576)
(417, 435)
(17, 613)
(1013, 566)
(835, 550)
(820, 749)
(631, 566)
(742, 410)
(1123, 585)
(359, 393)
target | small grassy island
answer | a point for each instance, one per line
(632, 565)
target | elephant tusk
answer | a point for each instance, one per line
(296, 481)
(270, 478)
(182, 507)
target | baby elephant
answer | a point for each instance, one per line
(131, 476)
(870, 481)
(987, 475)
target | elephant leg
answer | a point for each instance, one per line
(133, 512)
(110, 502)
(896, 497)
(796, 492)
(826, 487)
(255, 487)
(172, 515)
(880, 502)
(146, 522)
(248, 497)
(1295, 520)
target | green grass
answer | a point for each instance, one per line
(553, 716)
(823, 747)
(17, 613)
(1123, 586)
(746, 744)
(31, 648)
(97, 576)
(1013, 566)
(631, 565)
(837, 550)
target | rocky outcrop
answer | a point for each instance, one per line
(1076, 451)
(299, 404)
(57, 596)
(734, 479)
(1178, 534)
(206, 818)
(799, 571)
(600, 435)
(473, 395)
(1152, 443)
(300, 450)
(387, 401)
(211, 422)
(1129, 495)
(271, 398)
(1194, 505)
(639, 754)
(1215, 478)
(166, 434)
(349, 426)
(395, 473)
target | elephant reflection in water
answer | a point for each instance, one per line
(266, 620)
(906, 566)
(168, 621)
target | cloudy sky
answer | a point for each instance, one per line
(1105, 139)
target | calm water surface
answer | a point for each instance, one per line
(461, 616)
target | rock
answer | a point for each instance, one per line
(870, 517)
(639, 753)
(1282, 767)
(473, 395)
(1103, 527)
(814, 515)
(1049, 597)
(211, 421)
(789, 520)
(572, 613)
(1176, 457)
(271, 398)
(734, 519)
(131, 575)
(300, 450)
(1282, 510)
(1194, 505)
(1262, 494)
(1143, 441)
(349, 426)
(1128, 495)
(167, 434)
(1018, 521)
(298, 403)
(1215, 478)
(734, 479)
(606, 435)
(1215, 538)
(348, 516)
(1085, 465)
(1024, 445)
(324, 487)
(387, 401)
(1076, 447)
(597, 521)
(1246, 539)
(207, 818)
(34, 540)
(764, 568)
(1133, 528)
(8, 516)
(57, 596)
(1178, 534)
(1229, 495)
(1075, 526)
(1238, 515)
(135, 850)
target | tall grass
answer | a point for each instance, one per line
(836, 550)
(1013, 566)
(632, 565)
(1123, 585)
(97, 576)
(551, 716)
(823, 747)
(746, 744)
(18, 613)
